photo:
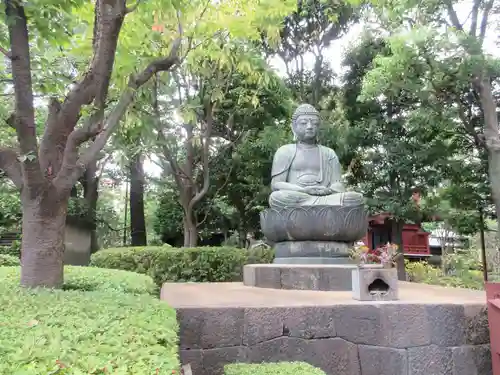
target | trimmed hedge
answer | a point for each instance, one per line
(168, 264)
(8, 260)
(112, 330)
(281, 368)
(93, 279)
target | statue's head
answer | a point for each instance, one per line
(305, 123)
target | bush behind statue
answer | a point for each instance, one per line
(455, 273)
(117, 327)
(168, 264)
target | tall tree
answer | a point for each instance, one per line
(45, 170)
(242, 170)
(403, 148)
(137, 217)
(442, 60)
(309, 32)
(206, 85)
(130, 152)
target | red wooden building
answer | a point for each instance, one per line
(415, 239)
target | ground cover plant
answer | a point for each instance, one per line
(8, 260)
(102, 322)
(93, 279)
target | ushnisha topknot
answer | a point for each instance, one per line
(304, 109)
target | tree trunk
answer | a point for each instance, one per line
(492, 139)
(44, 222)
(483, 245)
(242, 238)
(126, 214)
(494, 174)
(316, 88)
(91, 194)
(137, 219)
(397, 238)
(190, 232)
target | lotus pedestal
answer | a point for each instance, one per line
(314, 235)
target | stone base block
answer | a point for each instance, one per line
(311, 252)
(429, 331)
(375, 283)
(326, 277)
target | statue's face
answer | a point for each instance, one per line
(306, 128)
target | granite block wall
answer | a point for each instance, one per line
(368, 339)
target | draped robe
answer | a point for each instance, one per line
(330, 176)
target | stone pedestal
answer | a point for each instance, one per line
(315, 223)
(375, 283)
(325, 277)
(311, 252)
(314, 235)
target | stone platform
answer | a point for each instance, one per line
(429, 331)
(324, 277)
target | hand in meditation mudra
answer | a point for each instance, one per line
(306, 173)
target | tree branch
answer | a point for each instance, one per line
(93, 87)
(133, 7)
(484, 21)
(468, 126)
(103, 165)
(72, 166)
(176, 169)
(78, 136)
(488, 106)
(11, 121)
(6, 53)
(474, 13)
(24, 118)
(95, 83)
(210, 107)
(110, 227)
(229, 173)
(11, 166)
(453, 16)
(164, 64)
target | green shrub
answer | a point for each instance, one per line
(13, 250)
(421, 272)
(282, 368)
(93, 279)
(8, 260)
(167, 264)
(74, 332)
